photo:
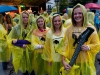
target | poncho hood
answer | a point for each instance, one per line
(84, 11)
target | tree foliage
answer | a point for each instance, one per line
(63, 4)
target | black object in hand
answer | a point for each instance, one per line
(81, 40)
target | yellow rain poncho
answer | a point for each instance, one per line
(32, 20)
(38, 39)
(68, 21)
(46, 17)
(5, 51)
(16, 18)
(91, 17)
(54, 10)
(49, 53)
(21, 56)
(86, 59)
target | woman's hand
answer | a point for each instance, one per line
(84, 47)
(42, 46)
(24, 45)
(14, 41)
(66, 65)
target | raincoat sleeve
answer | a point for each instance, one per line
(94, 43)
(47, 49)
(17, 52)
(12, 35)
(62, 45)
(35, 42)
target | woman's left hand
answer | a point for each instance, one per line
(24, 45)
(14, 41)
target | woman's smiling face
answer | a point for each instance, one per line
(78, 15)
(40, 22)
(57, 22)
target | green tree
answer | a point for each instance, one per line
(62, 5)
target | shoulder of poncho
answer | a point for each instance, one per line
(68, 30)
(90, 25)
(49, 33)
(64, 29)
(69, 27)
(35, 31)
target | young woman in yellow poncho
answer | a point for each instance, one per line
(38, 41)
(53, 37)
(21, 55)
(86, 58)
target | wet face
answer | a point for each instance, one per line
(25, 18)
(40, 22)
(57, 22)
(78, 15)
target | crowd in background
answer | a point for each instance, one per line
(44, 44)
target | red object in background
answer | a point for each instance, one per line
(92, 6)
(64, 10)
(13, 13)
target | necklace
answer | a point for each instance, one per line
(78, 30)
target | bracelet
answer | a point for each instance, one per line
(88, 48)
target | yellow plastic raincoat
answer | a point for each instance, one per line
(5, 51)
(68, 21)
(16, 18)
(46, 17)
(91, 17)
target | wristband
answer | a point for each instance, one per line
(88, 48)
